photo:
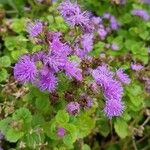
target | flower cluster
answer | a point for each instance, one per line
(141, 13)
(51, 62)
(112, 88)
(74, 16)
(42, 68)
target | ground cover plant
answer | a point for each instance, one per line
(74, 75)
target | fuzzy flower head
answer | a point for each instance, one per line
(47, 81)
(102, 74)
(25, 70)
(113, 108)
(87, 42)
(38, 56)
(55, 62)
(61, 132)
(68, 9)
(58, 48)
(141, 13)
(124, 78)
(102, 33)
(114, 23)
(73, 15)
(72, 70)
(113, 89)
(73, 108)
(136, 67)
(34, 28)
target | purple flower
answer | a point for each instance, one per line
(114, 23)
(113, 108)
(136, 67)
(124, 78)
(61, 132)
(101, 74)
(146, 1)
(102, 33)
(55, 62)
(96, 20)
(68, 9)
(112, 89)
(87, 42)
(141, 13)
(73, 108)
(114, 47)
(25, 70)
(38, 56)
(106, 15)
(72, 70)
(80, 52)
(47, 81)
(34, 28)
(59, 48)
(53, 35)
(72, 14)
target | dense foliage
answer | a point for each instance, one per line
(75, 75)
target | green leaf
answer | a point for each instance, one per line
(34, 139)
(98, 48)
(63, 84)
(4, 124)
(37, 120)
(18, 25)
(3, 75)
(17, 53)
(23, 114)
(86, 147)
(50, 129)
(13, 135)
(15, 42)
(5, 61)
(42, 103)
(62, 117)
(104, 127)
(134, 89)
(71, 134)
(84, 124)
(121, 127)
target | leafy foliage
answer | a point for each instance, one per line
(30, 118)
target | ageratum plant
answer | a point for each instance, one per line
(55, 59)
(78, 77)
